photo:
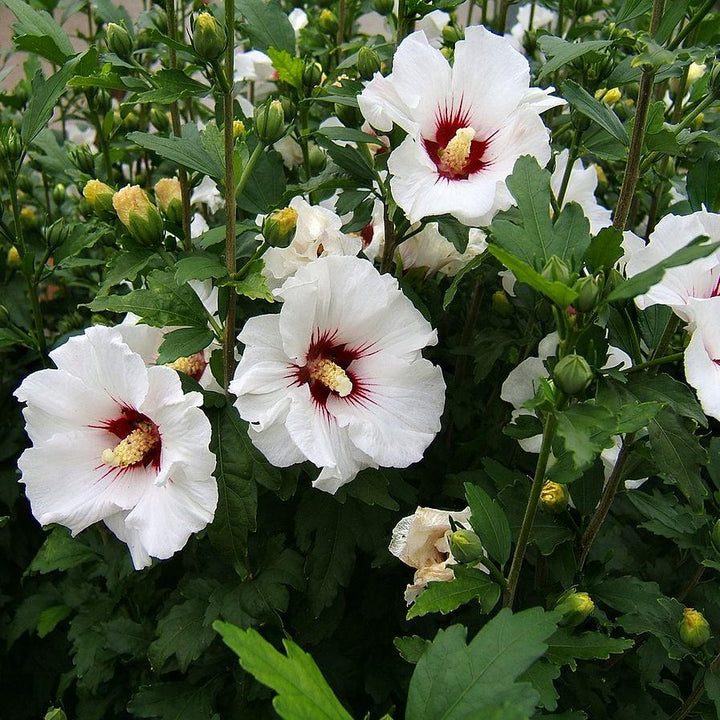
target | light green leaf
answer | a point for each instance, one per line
(596, 110)
(199, 266)
(40, 24)
(444, 597)
(268, 25)
(411, 647)
(60, 552)
(567, 646)
(302, 691)
(254, 284)
(290, 68)
(172, 85)
(489, 522)
(183, 342)
(50, 618)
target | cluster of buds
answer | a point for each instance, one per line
(138, 215)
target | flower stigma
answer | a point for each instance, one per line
(193, 365)
(454, 156)
(134, 448)
(331, 375)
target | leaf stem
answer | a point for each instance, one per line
(666, 359)
(530, 510)
(696, 19)
(692, 700)
(572, 157)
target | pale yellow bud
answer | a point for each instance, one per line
(138, 214)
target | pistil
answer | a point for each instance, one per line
(194, 365)
(331, 375)
(454, 156)
(133, 448)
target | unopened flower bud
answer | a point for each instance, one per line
(100, 197)
(699, 121)
(465, 546)
(158, 16)
(160, 119)
(131, 121)
(118, 40)
(588, 290)
(714, 79)
(382, 6)
(99, 100)
(83, 159)
(583, 7)
(694, 628)
(451, 35)
(238, 129)
(279, 227)
(13, 258)
(270, 122)
(575, 608)
(609, 97)
(318, 159)
(57, 233)
(28, 218)
(289, 109)
(601, 176)
(169, 198)
(312, 74)
(328, 22)
(209, 38)
(10, 147)
(572, 374)
(368, 63)
(501, 304)
(556, 270)
(58, 194)
(554, 496)
(138, 215)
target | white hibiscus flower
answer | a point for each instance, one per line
(207, 192)
(530, 16)
(466, 124)
(114, 440)
(702, 356)
(421, 541)
(337, 377)
(298, 19)
(679, 285)
(317, 234)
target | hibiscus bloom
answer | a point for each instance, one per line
(680, 285)
(421, 541)
(702, 356)
(466, 124)
(114, 440)
(337, 377)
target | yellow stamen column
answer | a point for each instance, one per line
(331, 375)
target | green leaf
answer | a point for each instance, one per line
(268, 25)
(411, 647)
(125, 636)
(253, 284)
(541, 676)
(237, 465)
(350, 159)
(712, 688)
(666, 517)
(187, 150)
(183, 342)
(452, 290)
(302, 691)
(60, 552)
(289, 67)
(183, 633)
(370, 486)
(172, 85)
(50, 618)
(489, 522)
(631, 9)
(703, 183)
(585, 430)
(596, 110)
(558, 292)
(444, 597)
(643, 281)
(171, 701)
(453, 680)
(163, 303)
(266, 185)
(40, 24)
(199, 266)
(348, 134)
(566, 646)
(605, 250)
(562, 52)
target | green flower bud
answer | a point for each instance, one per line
(99, 100)
(289, 109)
(450, 35)
(575, 608)
(279, 227)
(318, 159)
(328, 22)
(159, 118)
(501, 304)
(209, 38)
(270, 121)
(13, 258)
(83, 159)
(529, 42)
(238, 129)
(572, 374)
(138, 215)
(158, 16)
(694, 628)
(556, 270)
(368, 63)
(57, 233)
(58, 194)
(24, 184)
(312, 74)
(118, 40)
(131, 121)
(169, 199)
(10, 147)
(465, 546)
(29, 219)
(384, 7)
(554, 496)
(588, 290)
(100, 197)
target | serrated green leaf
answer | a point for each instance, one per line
(60, 552)
(411, 647)
(566, 646)
(183, 342)
(666, 517)
(172, 85)
(126, 636)
(302, 691)
(596, 110)
(200, 266)
(235, 473)
(585, 430)
(444, 597)
(50, 618)
(289, 67)
(268, 25)
(40, 24)
(253, 284)
(171, 701)
(560, 52)
(489, 522)
(541, 676)
(605, 250)
(453, 680)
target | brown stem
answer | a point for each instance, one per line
(692, 700)
(694, 580)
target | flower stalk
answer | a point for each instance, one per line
(694, 697)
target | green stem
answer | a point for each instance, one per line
(501, 16)
(341, 29)
(303, 132)
(667, 336)
(230, 210)
(530, 510)
(390, 241)
(572, 157)
(104, 147)
(674, 357)
(696, 19)
(696, 694)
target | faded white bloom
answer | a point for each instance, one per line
(298, 19)
(207, 192)
(421, 541)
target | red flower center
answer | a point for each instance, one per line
(456, 152)
(139, 439)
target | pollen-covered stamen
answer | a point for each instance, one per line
(454, 156)
(134, 448)
(194, 365)
(330, 375)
